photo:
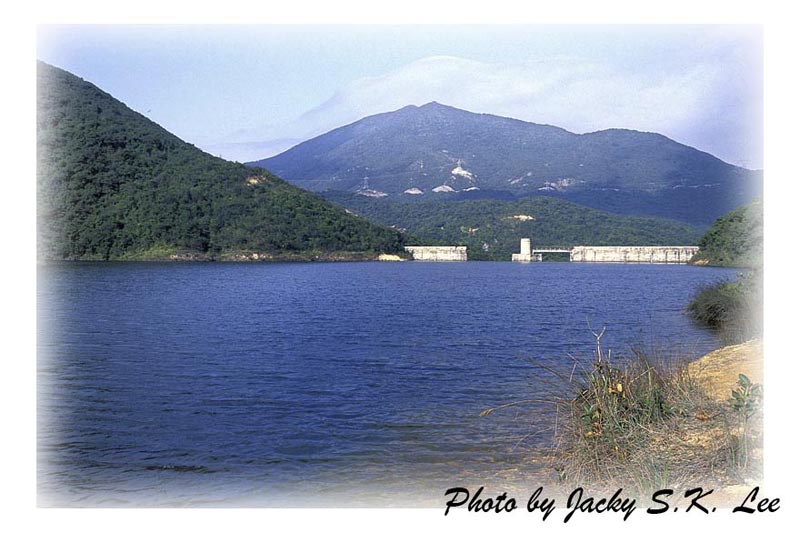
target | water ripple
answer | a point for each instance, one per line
(273, 384)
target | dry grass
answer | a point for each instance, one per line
(645, 425)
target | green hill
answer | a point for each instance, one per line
(735, 239)
(491, 229)
(114, 185)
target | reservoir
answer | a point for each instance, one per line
(325, 384)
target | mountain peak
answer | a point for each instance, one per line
(431, 146)
(434, 104)
(430, 106)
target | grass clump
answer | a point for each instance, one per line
(644, 424)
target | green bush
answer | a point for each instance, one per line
(733, 309)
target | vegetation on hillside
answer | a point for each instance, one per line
(114, 185)
(733, 308)
(492, 229)
(735, 239)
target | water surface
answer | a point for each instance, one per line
(333, 384)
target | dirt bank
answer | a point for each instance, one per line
(717, 372)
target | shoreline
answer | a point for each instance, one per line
(239, 257)
(335, 257)
(695, 424)
(717, 374)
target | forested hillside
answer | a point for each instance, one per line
(735, 239)
(114, 185)
(492, 228)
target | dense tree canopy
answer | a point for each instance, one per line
(735, 239)
(491, 229)
(114, 185)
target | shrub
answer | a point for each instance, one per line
(642, 422)
(734, 309)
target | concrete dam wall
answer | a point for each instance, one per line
(609, 254)
(632, 254)
(577, 254)
(438, 253)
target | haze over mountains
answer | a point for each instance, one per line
(437, 151)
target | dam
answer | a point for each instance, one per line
(633, 254)
(610, 254)
(437, 253)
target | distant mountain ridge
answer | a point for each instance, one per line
(439, 150)
(114, 185)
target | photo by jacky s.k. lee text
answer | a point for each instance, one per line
(580, 501)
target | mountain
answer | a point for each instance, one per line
(492, 229)
(437, 150)
(735, 239)
(114, 185)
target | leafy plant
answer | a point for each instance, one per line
(746, 398)
(745, 401)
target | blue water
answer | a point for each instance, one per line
(332, 384)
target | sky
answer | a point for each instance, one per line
(248, 92)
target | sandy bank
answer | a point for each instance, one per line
(717, 372)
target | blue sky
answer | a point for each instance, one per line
(246, 92)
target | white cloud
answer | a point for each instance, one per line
(579, 95)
